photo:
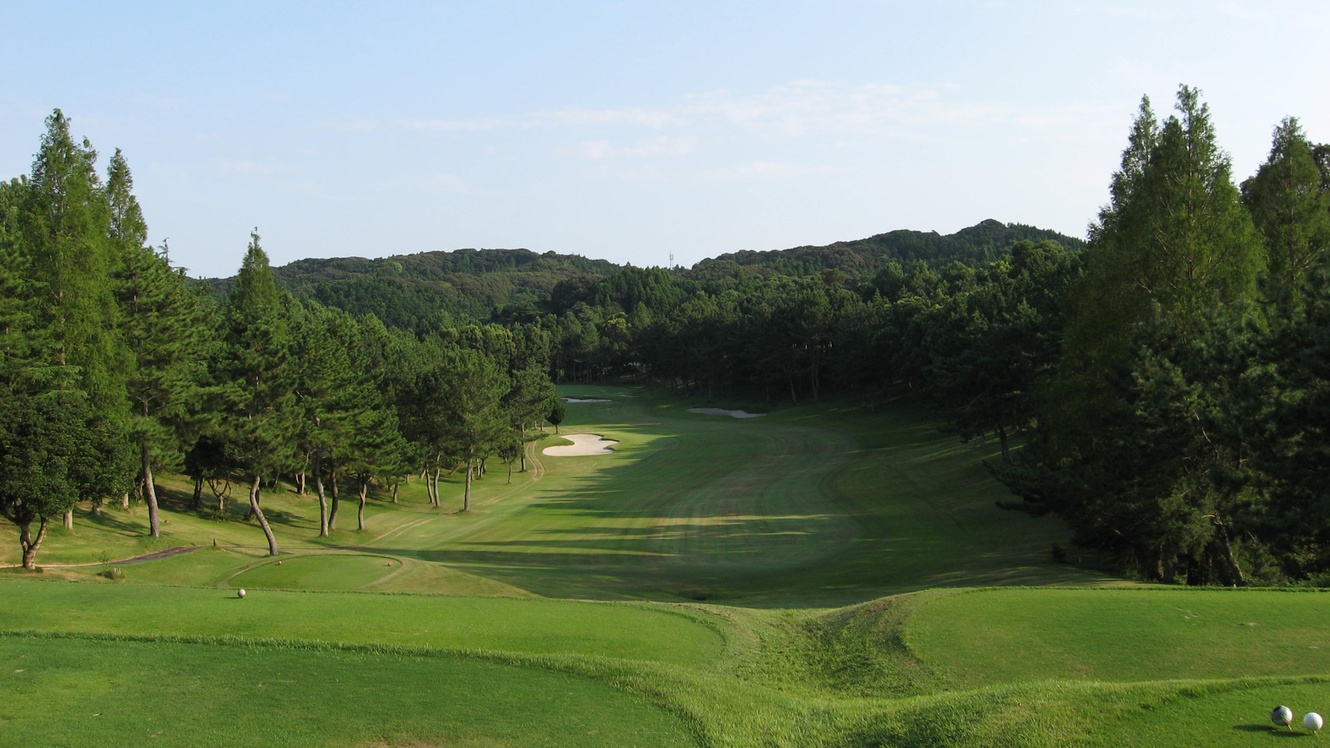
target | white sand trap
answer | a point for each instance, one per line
(583, 445)
(588, 400)
(730, 413)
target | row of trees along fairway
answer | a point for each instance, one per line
(1184, 428)
(114, 365)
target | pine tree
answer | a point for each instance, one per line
(256, 382)
(1173, 258)
(1291, 208)
(473, 420)
(163, 334)
(63, 230)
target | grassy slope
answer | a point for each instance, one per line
(789, 516)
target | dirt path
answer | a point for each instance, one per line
(169, 552)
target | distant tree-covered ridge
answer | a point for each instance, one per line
(985, 241)
(419, 291)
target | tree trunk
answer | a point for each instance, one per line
(301, 480)
(438, 500)
(69, 520)
(124, 501)
(29, 544)
(1229, 569)
(394, 493)
(466, 495)
(336, 500)
(150, 492)
(324, 529)
(198, 493)
(254, 510)
(360, 511)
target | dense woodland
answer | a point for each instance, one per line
(1162, 387)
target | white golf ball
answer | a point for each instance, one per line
(240, 593)
(1281, 715)
(1312, 721)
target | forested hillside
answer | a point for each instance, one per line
(984, 242)
(420, 290)
(428, 288)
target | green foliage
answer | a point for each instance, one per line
(557, 412)
(1124, 450)
(163, 336)
(255, 376)
(1290, 205)
(419, 292)
(45, 459)
(62, 361)
(979, 244)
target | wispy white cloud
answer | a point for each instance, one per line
(797, 109)
(452, 125)
(651, 118)
(433, 181)
(1245, 11)
(447, 182)
(248, 166)
(661, 147)
(752, 170)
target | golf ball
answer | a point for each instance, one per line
(1312, 721)
(1281, 715)
(240, 593)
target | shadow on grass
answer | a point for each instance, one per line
(1279, 732)
(794, 510)
(762, 524)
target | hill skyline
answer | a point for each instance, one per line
(901, 244)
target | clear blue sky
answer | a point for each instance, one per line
(632, 130)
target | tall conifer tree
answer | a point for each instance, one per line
(163, 335)
(256, 383)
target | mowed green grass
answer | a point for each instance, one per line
(123, 693)
(821, 576)
(985, 637)
(620, 631)
(809, 506)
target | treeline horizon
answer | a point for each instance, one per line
(1160, 388)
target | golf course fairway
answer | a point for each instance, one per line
(827, 574)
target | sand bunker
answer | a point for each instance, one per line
(730, 413)
(587, 400)
(582, 445)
